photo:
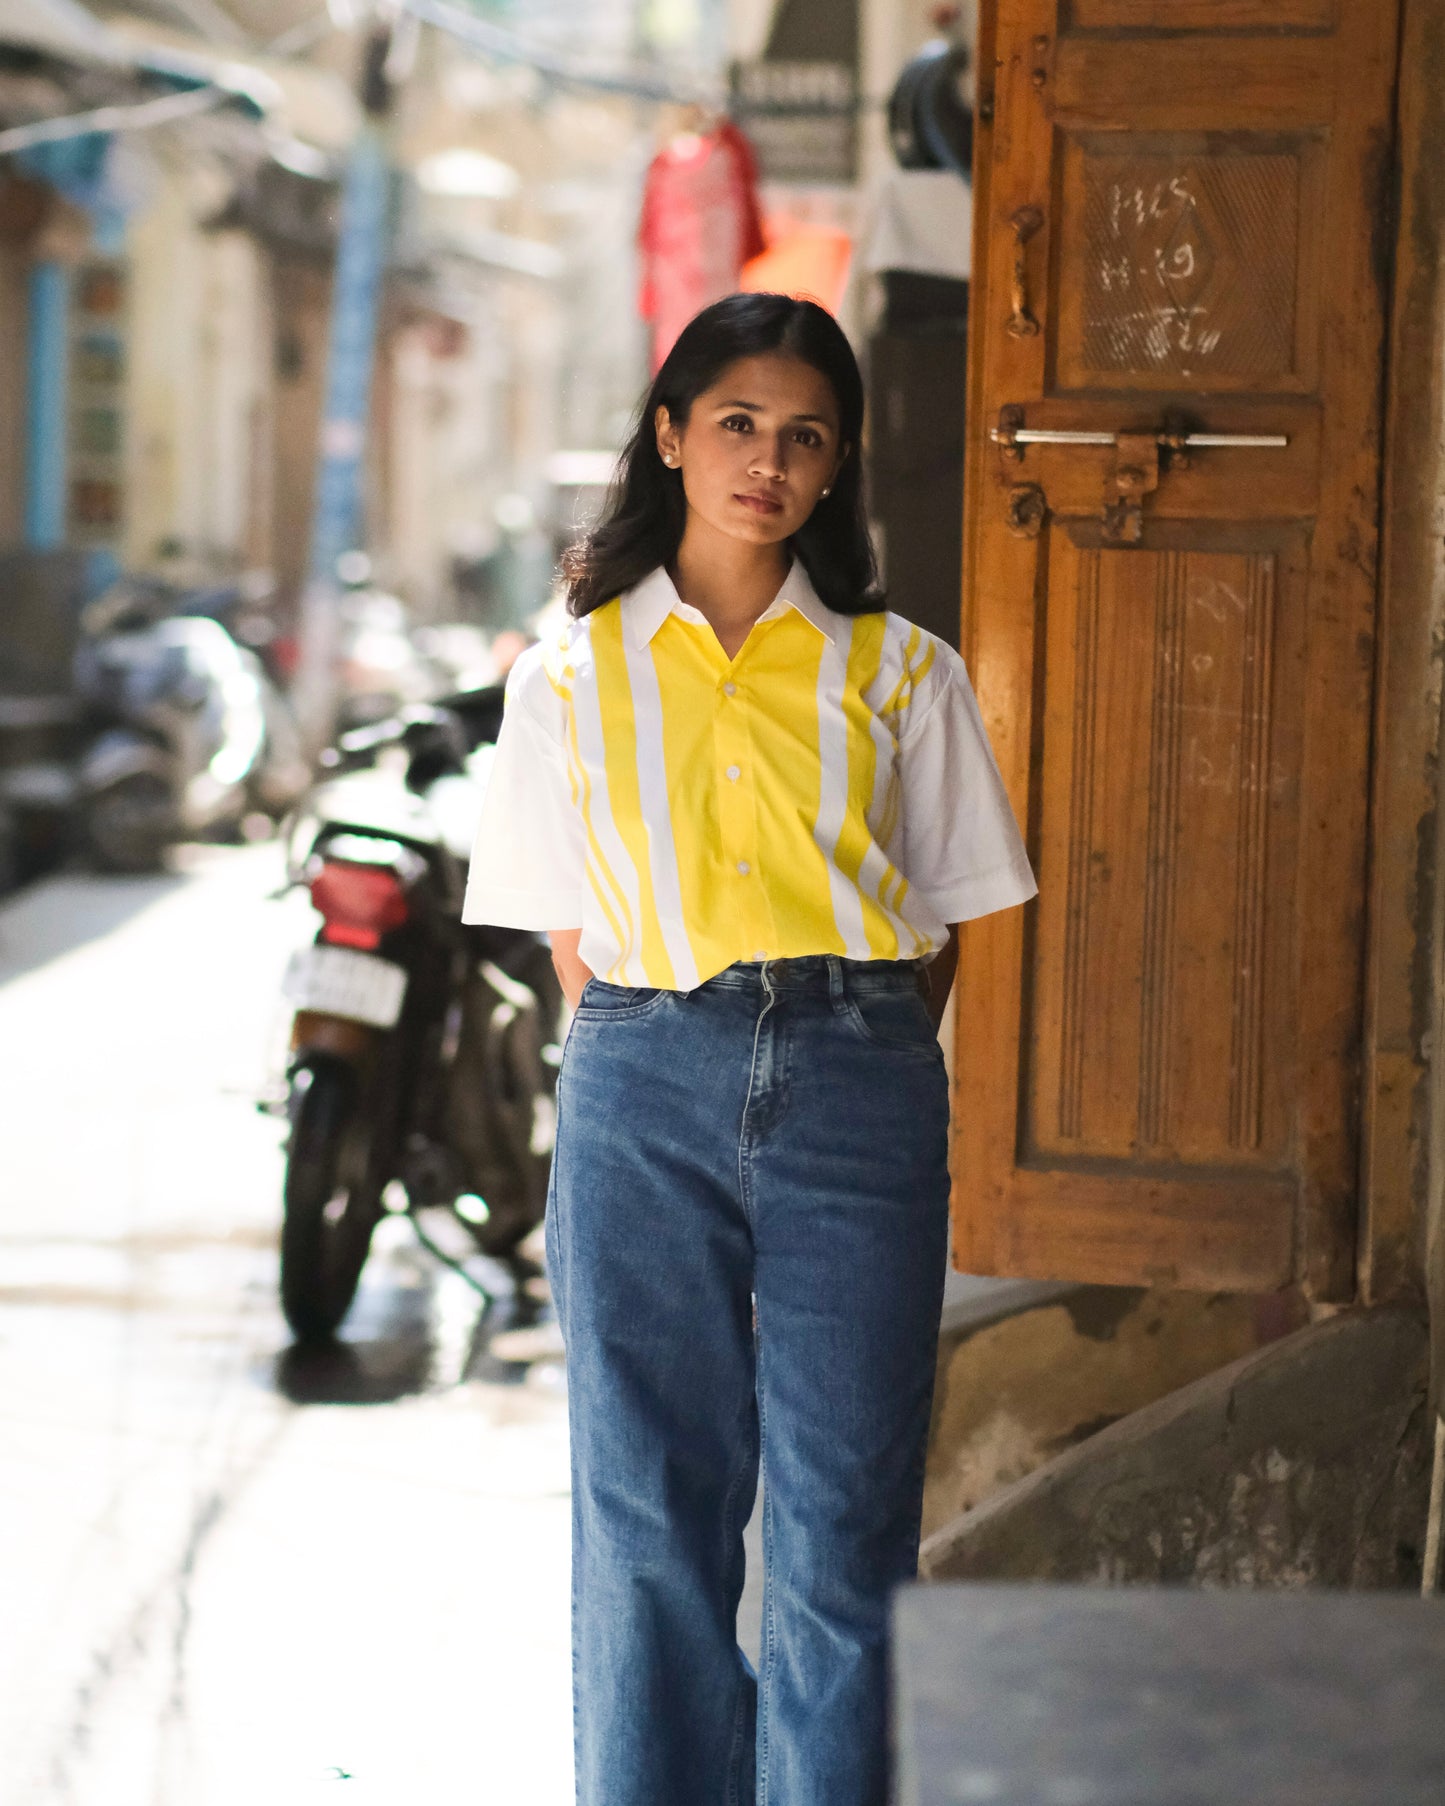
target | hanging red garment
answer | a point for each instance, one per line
(700, 224)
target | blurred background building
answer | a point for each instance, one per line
(560, 186)
(165, 266)
(321, 322)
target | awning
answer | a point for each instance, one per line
(297, 103)
(69, 33)
(60, 28)
(299, 99)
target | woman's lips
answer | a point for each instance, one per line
(760, 504)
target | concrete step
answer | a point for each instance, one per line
(1028, 1369)
(1305, 1463)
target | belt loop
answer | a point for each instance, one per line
(836, 990)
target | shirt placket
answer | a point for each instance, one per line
(738, 814)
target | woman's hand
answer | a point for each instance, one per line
(571, 972)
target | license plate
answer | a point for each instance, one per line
(334, 981)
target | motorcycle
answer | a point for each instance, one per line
(184, 736)
(423, 1052)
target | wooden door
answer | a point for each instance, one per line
(1181, 231)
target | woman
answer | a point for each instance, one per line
(749, 806)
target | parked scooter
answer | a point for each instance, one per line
(185, 736)
(424, 1052)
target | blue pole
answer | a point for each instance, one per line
(336, 523)
(45, 405)
(360, 253)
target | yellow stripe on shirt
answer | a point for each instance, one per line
(610, 896)
(787, 782)
(599, 873)
(619, 739)
(865, 655)
(690, 664)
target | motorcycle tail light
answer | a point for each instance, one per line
(359, 903)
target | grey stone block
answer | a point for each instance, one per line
(1074, 1696)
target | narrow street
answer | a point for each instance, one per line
(232, 1574)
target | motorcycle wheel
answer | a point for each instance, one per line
(332, 1201)
(519, 1085)
(127, 825)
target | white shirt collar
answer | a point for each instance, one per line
(647, 606)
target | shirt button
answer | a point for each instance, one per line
(734, 772)
(743, 868)
(730, 689)
(762, 953)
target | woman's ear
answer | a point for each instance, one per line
(669, 447)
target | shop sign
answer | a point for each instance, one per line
(801, 117)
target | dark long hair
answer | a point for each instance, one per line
(642, 522)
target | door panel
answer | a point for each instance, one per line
(1172, 641)
(1164, 84)
(1162, 662)
(1185, 267)
(1199, 15)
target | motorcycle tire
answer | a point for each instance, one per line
(127, 825)
(332, 1200)
(502, 1110)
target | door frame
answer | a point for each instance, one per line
(1402, 1102)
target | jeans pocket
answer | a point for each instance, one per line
(897, 1020)
(603, 1002)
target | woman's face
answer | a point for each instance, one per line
(759, 447)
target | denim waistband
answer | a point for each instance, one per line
(820, 973)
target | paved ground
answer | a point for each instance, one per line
(230, 1576)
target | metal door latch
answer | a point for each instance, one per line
(1027, 508)
(1136, 466)
(1134, 475)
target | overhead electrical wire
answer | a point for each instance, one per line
(132, 116)
(498, 44)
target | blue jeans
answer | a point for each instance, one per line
(777, 1136)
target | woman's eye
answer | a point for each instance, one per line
(809, 439)
(738, 423)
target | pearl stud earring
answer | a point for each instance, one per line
(827, 492)
(667, 458)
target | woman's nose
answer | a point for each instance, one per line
(768, 458)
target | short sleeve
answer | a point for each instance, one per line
(528, 858)
(961, 849)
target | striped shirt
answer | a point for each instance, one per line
(828, 790)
